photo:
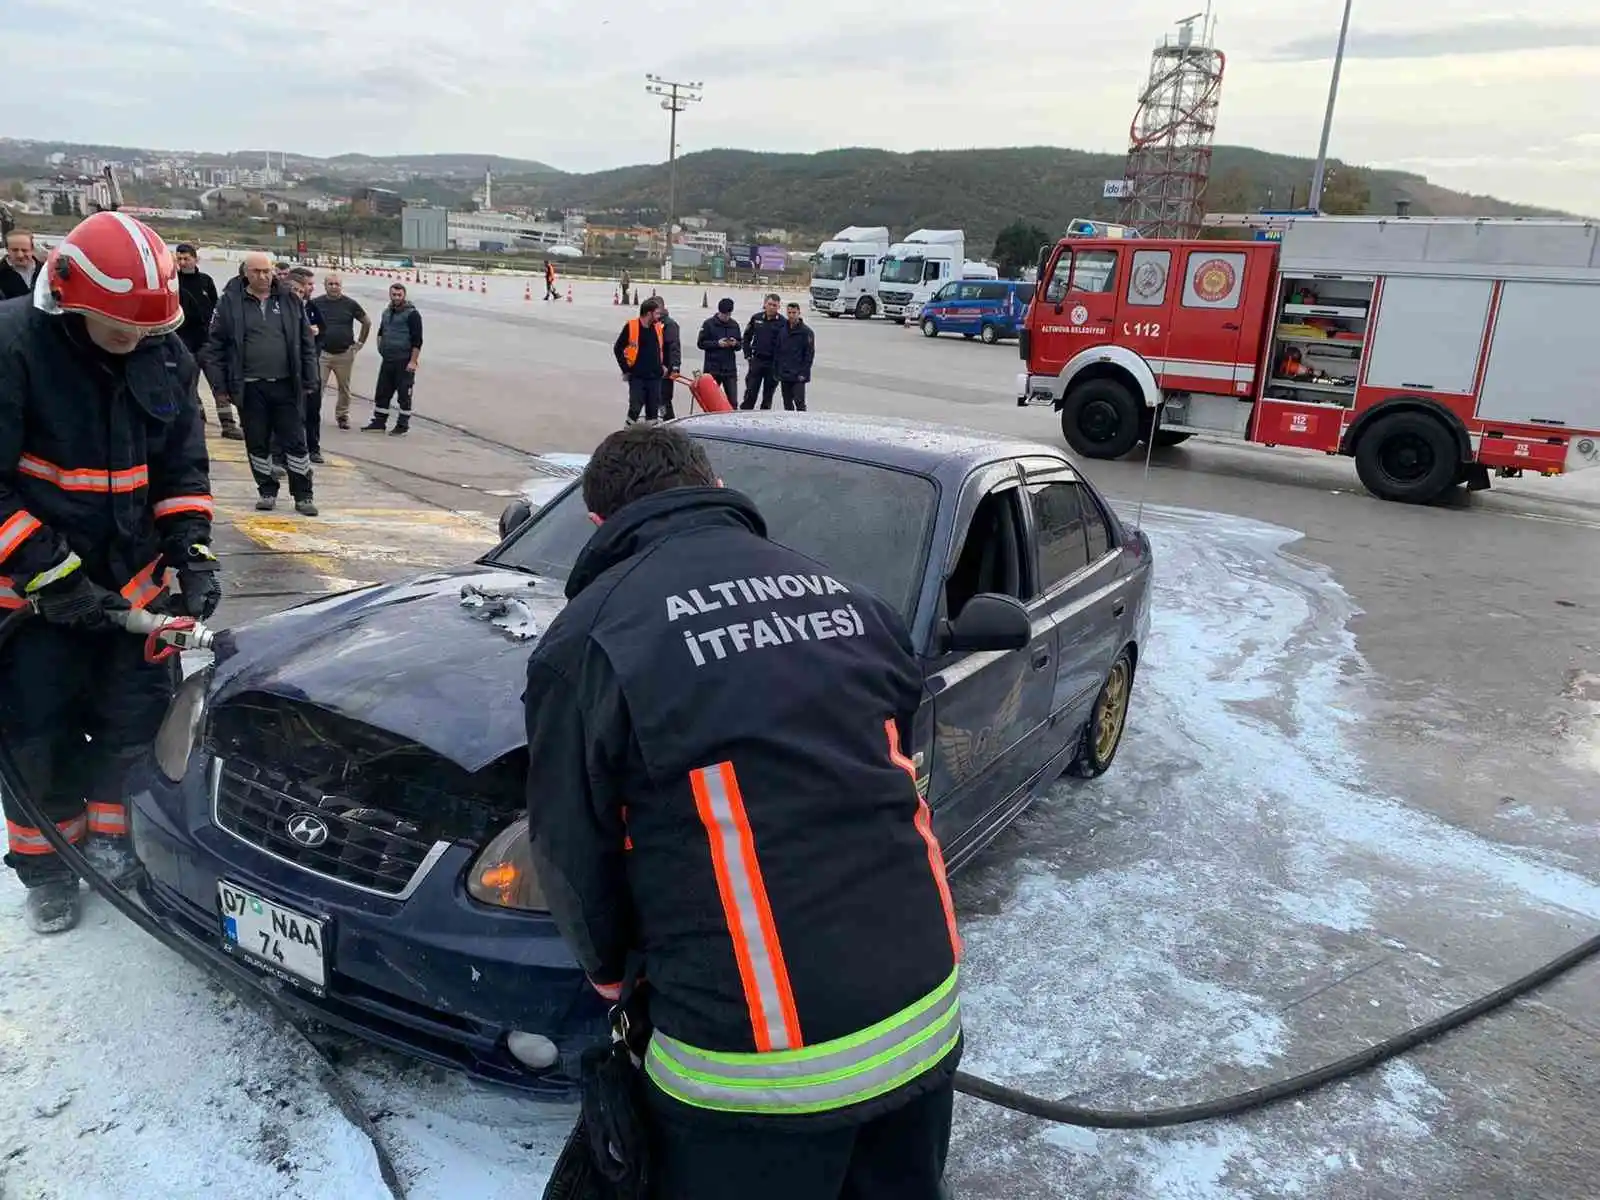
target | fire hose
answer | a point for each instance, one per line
(165, 636)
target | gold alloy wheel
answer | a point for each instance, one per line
(1112, 710)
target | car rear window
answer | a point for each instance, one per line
(867, 523)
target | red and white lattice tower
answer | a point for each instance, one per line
(1169, 145)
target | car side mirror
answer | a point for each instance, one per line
(988, 621)
(514, 517)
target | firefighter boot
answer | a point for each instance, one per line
(111, 856)
(54, 905)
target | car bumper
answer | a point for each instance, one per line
(831, 306)
(437, 975)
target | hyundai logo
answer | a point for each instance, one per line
(308, 830)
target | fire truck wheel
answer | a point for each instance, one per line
(1408, 456)
(1100, 419)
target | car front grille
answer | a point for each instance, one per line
(824, 293)
(365, 848)
(896, 297)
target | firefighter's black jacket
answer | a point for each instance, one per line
(691, 642)
(101, 455)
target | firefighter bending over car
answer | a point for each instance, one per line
(728, 828)
(104, 489)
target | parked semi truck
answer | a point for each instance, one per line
(844, 272)
(1433, 351)
(916, 268)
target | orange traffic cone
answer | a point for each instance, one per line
(616, 296)
(437, 281)
(527, 291)
(569, 293)
(451, 285)
(485, 288)
(705, 299)
(472, 285)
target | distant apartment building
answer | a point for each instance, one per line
(706, 241)
(67, 196)
(380, 202)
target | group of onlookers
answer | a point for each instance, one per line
(778, 351)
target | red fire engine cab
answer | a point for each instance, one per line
(1432, 350)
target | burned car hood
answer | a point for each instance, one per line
(440, 660)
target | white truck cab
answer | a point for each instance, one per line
(844, 272)
(916, 268)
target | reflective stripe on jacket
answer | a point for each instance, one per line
(814, 1079)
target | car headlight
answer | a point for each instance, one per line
(179, 728)
(503, 874)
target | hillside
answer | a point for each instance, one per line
(976, 190)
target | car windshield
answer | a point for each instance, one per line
(866, 523)
(901, 270)
(834, 266)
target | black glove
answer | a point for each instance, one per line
(78, 602)
(199, 584)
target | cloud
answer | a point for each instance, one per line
(1492, 36)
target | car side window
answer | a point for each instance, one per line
(992, 291)
(1094, 271)
(1063, 544)
(990, 558)
(1095, 525)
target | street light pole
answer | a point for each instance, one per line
(676, 98)
(1319, 176)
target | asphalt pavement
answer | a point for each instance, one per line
(1400, 705)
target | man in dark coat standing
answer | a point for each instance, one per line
(720, 339)
(797, 347)
(21, 265)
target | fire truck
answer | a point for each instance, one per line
(1431, 350)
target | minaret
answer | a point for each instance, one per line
(488, 188)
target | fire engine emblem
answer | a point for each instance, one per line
(1214, 280)
(1080, 315)
(1149, 280)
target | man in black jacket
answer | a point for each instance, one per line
(260, 352)
(797, 347)
(105, 492)
(723, 804)
(20, 267)
(761, 353)
(197, 292)
(672, 348)
(720, 339)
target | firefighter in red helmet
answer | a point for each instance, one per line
(105, 504)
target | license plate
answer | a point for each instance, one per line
(280, 940)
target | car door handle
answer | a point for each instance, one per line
(1120, 607)
(1041, 660)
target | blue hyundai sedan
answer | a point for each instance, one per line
(339, 802)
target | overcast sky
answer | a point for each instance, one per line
(1451, 88)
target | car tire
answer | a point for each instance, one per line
(929, 328)
(989, 335)
(866, 308)
(1409, 457)
(1098, 743)
(1100, 419)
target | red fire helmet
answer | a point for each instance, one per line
(115, 267)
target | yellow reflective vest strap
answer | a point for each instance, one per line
(820, 1078)
(630, 353)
